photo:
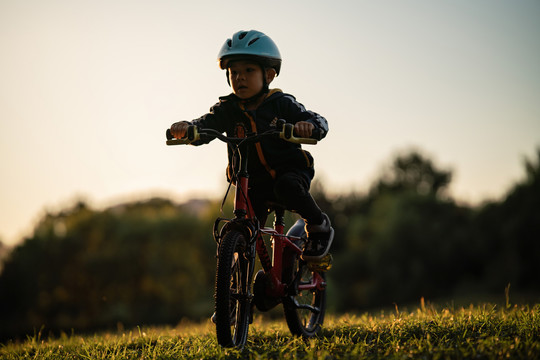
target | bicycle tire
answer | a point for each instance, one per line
(232, 300)
(304, 310)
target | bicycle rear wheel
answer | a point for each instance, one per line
(232, 300)
(304, 309)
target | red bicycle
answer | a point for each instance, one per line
(285, 278)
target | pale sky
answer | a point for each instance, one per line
(87, 89)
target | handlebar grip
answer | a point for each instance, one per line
(191, 136)
(287, 133)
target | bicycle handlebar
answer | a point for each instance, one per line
(194, 134)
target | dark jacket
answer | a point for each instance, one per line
(270, 156)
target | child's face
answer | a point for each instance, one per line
(246, 78)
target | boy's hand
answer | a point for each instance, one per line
(179, 129)
(304, 129)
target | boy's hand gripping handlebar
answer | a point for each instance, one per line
(286, 133)
(192, 135)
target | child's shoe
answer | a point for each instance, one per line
(320, 239)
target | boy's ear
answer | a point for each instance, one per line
(270, 75)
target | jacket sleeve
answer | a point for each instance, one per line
(295, 112)
(215, 119)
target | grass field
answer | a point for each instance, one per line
(476, 332)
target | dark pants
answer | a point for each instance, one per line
(291, 190)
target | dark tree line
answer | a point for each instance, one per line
(406, 239)
(153, 262)
(147, 262)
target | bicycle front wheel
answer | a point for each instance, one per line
(232, 301)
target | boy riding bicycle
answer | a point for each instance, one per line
(280, 171)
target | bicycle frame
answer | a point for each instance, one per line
(280, 242)
(244, 212)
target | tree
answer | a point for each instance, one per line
(406, 239)
(148, 262)
(413, 172)
(509, 233)
(3, 254)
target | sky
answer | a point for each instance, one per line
(88, 88)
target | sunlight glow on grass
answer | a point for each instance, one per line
(485, 331)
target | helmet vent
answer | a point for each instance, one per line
(242, 35)
(229, 43)
(252, 41)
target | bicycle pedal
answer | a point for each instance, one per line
(321, 265)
